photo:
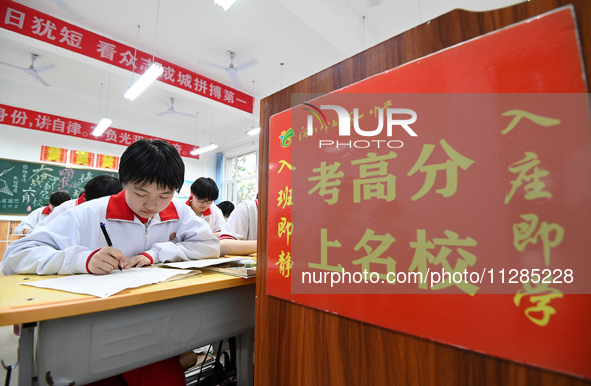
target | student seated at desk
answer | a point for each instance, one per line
(38, 215)
(145, 227)
(99, 186)
(226, 207)
(204, 191)
(239, 234)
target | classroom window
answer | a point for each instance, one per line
(241, 182)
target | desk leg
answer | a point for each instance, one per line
(26, 353)
(245, 362)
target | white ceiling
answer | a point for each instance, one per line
(307, 36)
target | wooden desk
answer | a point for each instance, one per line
(82, 338)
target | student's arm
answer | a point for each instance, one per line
(237, 247)
(53, 249)
(193, 240)
(28, 222)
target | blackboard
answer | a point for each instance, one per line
(26, 186)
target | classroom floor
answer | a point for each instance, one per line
(8, 353)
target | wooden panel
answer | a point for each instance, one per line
(3, 245)
(296, 345)
(4, 230)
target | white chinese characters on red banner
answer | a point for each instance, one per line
(35, 120)
(37, 25)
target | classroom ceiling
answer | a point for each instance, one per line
(276, 43)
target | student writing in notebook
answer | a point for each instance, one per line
(144, 225)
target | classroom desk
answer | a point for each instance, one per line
(82, 338)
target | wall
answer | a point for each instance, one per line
(24, 144)
(296, 345)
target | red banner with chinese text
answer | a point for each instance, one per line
(40, 26)
(462, 218)
(35, 120)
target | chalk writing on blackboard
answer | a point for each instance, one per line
(25, 186)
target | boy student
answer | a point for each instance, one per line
(39, 214)
(239, 234)
(204, 192)
(99, 186)
(144, 225)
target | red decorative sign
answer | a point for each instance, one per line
(107, 162)
(447, 198)
(53, 154)
(81, 158)
(29, 119)
(40, 26)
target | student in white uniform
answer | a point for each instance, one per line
(204, 191)
(99, 186)
(145, 227)
(239, 234)
(38, 215)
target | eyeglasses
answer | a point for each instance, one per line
(203, 200)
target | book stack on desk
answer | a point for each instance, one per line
(246, 267)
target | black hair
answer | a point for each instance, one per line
(102, 185)
(205, 188)
(156, 161)
(227, 207)
(59, 197)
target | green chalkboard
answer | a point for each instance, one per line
(26, 186)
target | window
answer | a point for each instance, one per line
(241, 178)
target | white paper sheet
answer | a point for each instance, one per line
(107, 285)
(203, 262)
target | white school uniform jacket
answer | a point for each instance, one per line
(33, 218)
(213, 216)
(63, 207)
(242, 223)
(65, 245)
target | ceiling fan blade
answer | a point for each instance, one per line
(73, 14)
(12, 65)
(247, 64)
(45, 67)
(187, 114)
(163, 113)
(36, 76)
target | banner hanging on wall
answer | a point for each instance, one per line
(35, 120)
(29, 22)
(447, 198)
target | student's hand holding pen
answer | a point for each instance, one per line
(105, 260)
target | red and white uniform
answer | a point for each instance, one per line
(65, 245)
(33, 219)
(212, 216)
(63, 207)
(242, 223)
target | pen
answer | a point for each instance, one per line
(109, 243)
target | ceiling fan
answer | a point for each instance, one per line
(232, 70)
(32, 70)
(171, 110)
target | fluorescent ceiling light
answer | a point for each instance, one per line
(204, 149)
(254, 130)
(225, 4)
(101, 127)
(142, 83)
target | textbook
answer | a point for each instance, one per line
(245, 267)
